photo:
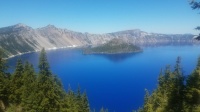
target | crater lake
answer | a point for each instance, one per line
(116, 82)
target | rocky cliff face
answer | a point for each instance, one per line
(142, 38)
(21, 38)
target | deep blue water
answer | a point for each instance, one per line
(116, 82)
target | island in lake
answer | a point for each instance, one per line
(114, 46)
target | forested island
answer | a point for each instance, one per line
(115, 46)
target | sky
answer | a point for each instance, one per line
(103, 16)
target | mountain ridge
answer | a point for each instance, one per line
(21, 38)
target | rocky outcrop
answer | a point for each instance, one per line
(21, 38)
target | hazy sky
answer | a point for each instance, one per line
(102, 16)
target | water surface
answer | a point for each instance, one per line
(116, 82)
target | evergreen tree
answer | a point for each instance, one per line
(158, 100)
(176, 96)
(3, 82)
(82, 103)
(164, 89)
(85, 103)
(44, 65)
(79, 100)
(29, 83)
(49, 94)
(148, 107)
(71, 101)
(16, 83)
(193, 90)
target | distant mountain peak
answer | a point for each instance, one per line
(129, 31)
(21, 26)
(50, 26)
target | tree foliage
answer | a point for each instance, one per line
(16, 83)
(174, 93)
(114, 46)
(28, 91)
(4, 78)
(195, 4)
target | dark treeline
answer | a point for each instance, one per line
(28, 91)
(175, 93)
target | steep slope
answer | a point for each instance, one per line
(61, 37)
(17, 39)
(21, 38)
(141, 38)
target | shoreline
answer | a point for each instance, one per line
(47, 49)
(99, 53)
(74, 46)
